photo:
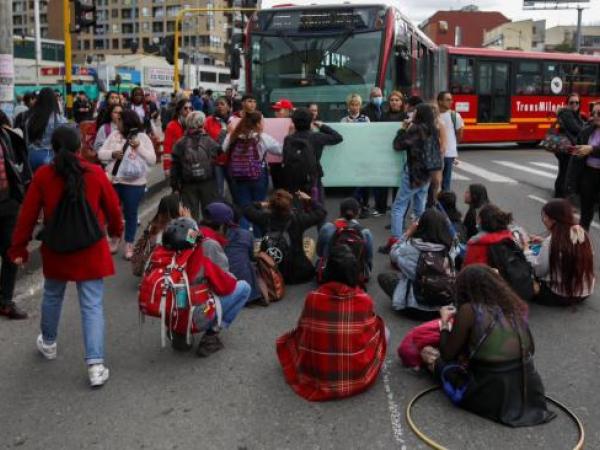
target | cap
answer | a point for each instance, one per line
(282, 103)
(219, 213)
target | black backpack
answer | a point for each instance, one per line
(431, 155)
(72, 226)
(196, 163)
(300, 167)
(508, 258)
(351, 235)
(277, 243)
(435, 279)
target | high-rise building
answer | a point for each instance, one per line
(50, 18)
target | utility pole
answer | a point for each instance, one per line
(7, 63)
(68, 57)
(578, 39)
(38, 40)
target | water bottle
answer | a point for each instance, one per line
(181, 296)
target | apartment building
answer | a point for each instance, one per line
(524, 35)
(50, 18)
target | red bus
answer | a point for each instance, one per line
(513, 96)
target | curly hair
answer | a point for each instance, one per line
(281, 203)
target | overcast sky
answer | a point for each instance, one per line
(419, 10)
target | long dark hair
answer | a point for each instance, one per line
(45, 106)
(179, 107)
(571, 264)
(107, 115)
(493, 219)
(65, 144)
(342, 266)
(249, 123)
(479, 196)
(130, 122)
(478, 284)
(168, 209)
(425, 120)
(447, 200)
(433, 228)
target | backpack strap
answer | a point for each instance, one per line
(454, 120)
(483, 337)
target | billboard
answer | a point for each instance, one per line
(549, 4)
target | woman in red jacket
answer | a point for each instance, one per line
(87, 267)
(493, 228)
(216, 127)
(175, 131)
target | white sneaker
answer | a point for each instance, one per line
(98, 375)
(48, 351)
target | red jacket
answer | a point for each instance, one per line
(44, 194)
(173, 133)
(339, 346)
(477, 247)
(213, 127)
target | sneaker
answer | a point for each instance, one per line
(388, 282)
(128, 254)
(98, 375)
(13, 312)
(48, 351)
(376, 213)
(209, 344)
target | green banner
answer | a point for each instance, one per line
(366, 158)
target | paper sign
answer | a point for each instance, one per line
(276, 128)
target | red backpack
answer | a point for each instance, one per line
(166, 292)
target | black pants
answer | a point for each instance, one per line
(8, 273)
(201, 193)
(547, 297)
(381, 196)
(276, 172)
(561, 177)
(590, 187)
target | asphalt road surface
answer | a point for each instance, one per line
(238, 399)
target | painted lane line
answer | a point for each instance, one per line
(546, 165)
(459, 177)
(484, 173)
(595, 225)
(395, 411)
(512, 165)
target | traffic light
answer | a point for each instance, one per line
(85, 14)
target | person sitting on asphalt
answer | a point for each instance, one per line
(339, 346)
(565, 263)
(349, 212)
(430, 234)
(192, 166)
(494, 225)
(476, 197)
(287, 225)
(491, 327)
(446, 202)
(217, 217)
(233, 294)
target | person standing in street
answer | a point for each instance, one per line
(111, 98)
(248, 105)
(196, 100)
(15, 176)
(216, 127)
(128, 154)
(175, 131)
(192, 170)
(82, 108)
(70, 175)
(111, 123)
(452, 128)
(570, 124)
(20, 118)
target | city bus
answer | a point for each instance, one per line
(324, 52)
(513, 96)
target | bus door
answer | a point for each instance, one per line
(494, 93)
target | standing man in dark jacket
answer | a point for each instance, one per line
(15, 176)
(570, 123)
(324, 135)
(82, 108)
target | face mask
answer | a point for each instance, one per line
(377, 101)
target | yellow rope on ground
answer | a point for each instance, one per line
(436, 446)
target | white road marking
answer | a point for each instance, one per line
(485, 174)
(394, 408)
(459, 177)
(543, 201)
(516, 166)
(546, 165)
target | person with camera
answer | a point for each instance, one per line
(127, 155)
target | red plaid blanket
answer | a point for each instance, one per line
(338, 347)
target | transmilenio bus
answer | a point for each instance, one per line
(317, 51)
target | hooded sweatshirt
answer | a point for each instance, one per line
(477, 247)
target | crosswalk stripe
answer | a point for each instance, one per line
(484, 173)
(516, 166)
(459, 177)
(546, 165)
(595, 225)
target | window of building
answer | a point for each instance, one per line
(114, 13)
(157, 27)
(17, 20)
(170, 27)
(127, 28)
(115, 28)
(126, 14)
(145, 12)
(146, 27)
(224, 78)
(127, 43)
(158, 11)
(98, 44)
(208, 77)
(86, 44)
(173, 10)
(529, 78)
(462, 80)
(115, 44)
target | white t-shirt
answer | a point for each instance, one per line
(450, 133)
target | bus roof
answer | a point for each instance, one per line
(518, 54)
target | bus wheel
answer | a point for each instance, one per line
(528, 144)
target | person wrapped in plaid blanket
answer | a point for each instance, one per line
(339, 345)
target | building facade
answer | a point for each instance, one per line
(562, 38)
(465, 27)
(50, 18)
(526, 35)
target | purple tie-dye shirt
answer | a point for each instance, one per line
(593, 161)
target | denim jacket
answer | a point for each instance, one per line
(55, 121)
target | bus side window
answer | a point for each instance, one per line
(553, 70)
(583, 79)
(529, 79)
(462, 79)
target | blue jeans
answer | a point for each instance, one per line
(221, 177)
(233, 303)
(38, 158)
(326, 234)
(402, 201)
(90, 293)
(248, 192)
(447, 174)
(131, 197)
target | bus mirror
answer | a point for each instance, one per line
(235, 63)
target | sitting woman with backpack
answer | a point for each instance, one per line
(564, 265)
(339, 346)
(247, 147)
(431, 239)
(86, 263)
(349, 212)
(284, 232)
(491, 329)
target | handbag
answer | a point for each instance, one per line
(131, 166)
(73, 226)
(555, 142)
